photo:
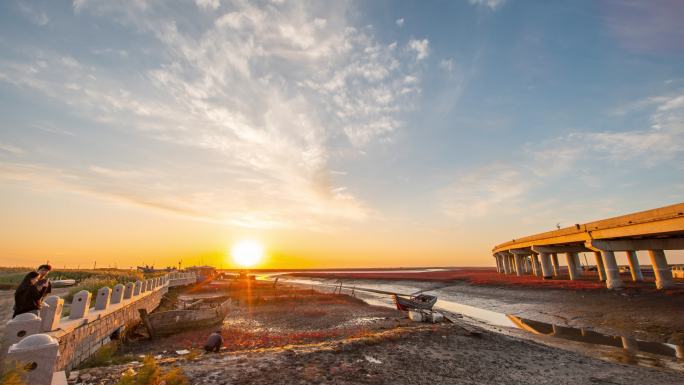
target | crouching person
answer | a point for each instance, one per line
(214, 342)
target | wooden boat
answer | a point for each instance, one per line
(199, 314)
(421, 301)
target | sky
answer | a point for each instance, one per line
(336, 134)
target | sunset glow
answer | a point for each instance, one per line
(247, 253)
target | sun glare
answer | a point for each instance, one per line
(247, 253)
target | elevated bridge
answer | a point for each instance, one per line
(653, 230)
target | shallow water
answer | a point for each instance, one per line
(378, 293)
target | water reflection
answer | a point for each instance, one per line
(591, 337)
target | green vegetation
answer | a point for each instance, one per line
(91, 280)
(106, 355)
(150, 374)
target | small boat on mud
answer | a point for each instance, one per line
(196, 315)
(420, 301)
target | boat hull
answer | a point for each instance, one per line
(174, 321)
(408, 304)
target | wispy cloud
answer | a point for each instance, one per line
(400, 22)
(35, 16)
(491, 4)
(499, 187)
(257, 101)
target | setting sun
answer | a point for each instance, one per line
(247, 253)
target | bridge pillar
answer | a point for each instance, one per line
(600, 269)
(496, 259)
(613, 280)
(634, 267)
(572, 265)
(518, 265)
(663, 274)
(546, 267)
(556, 265)
(531, 268)
(506, 263)
(578, 265)
(536, 265)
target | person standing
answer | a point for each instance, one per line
(43, 285)
(27, 297)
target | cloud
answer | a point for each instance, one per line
(482, 191)
(578, 156)
(208, 4)
(11, 148)
(246, 112)
(491, 4)
(421, 47)
(34, 16)
(400, 22)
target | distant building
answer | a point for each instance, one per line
(203, 272)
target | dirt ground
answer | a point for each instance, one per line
(337, 339)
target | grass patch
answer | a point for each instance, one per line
(106, 356)
(150, 374)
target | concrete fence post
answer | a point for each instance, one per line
(117, 294)
(128, 291)
(80, 305)
(37, 356)
(103, 298)
(137, 288)
(18, 328)
(51, 313)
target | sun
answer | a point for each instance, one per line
(247, 253)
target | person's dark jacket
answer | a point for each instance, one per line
(27, 297)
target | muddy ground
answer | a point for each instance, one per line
(337, 339)
(651, 316)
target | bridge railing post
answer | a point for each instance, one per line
(137, 288)
(51, 313)
(103, 298)
(117, 294)
(36, 355)
(18, 328)
(80, 305)
(128, 290)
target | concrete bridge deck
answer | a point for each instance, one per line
(653, 230)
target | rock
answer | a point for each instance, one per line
(86, 377)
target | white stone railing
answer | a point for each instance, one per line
(49, 343)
